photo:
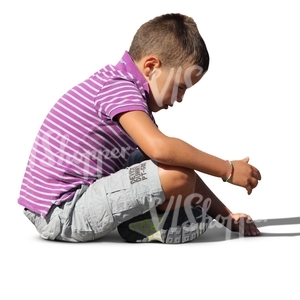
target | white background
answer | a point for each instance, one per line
(246, 105)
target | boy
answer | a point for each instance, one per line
(77, 186)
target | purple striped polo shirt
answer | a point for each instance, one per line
(80, 139)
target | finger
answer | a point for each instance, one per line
(255, 173)
(253, 182)
(249, 189)
(244, 228)
(246, 159)
(247, 231)
(248, 219)
(251, 229)
(242, 225)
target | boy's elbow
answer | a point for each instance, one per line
(159, 152)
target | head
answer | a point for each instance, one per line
(172, 55)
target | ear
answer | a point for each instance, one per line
(150, 64)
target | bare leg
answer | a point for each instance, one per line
(185, 187)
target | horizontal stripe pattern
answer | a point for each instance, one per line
(79, 140)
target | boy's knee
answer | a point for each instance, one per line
(177, 177)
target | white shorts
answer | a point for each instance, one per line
(98, 209)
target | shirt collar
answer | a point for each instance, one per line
(127, 64)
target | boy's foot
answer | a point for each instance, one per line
(170, 227)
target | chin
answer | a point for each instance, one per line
(162, 108)
(156, 108)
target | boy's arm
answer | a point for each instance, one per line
(172, 151)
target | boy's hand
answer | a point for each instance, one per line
(245, 175)
(243, 224)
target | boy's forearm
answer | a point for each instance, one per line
(179, 153)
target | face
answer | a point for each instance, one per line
(168, 86)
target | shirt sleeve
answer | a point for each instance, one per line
(118, 96)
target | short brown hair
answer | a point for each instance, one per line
(174, 38)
